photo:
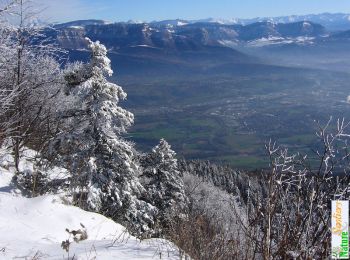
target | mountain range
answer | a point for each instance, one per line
(179, 35)
(169, 43)
(333, 22)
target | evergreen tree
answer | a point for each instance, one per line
(163, 181)
(103, 166)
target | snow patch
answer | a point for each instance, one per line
(179, 23)
(143, 46)
(306, 25)
(37, 226)
(229, 43)
(76, 27)
(302, 40)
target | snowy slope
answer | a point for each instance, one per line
(35, 227)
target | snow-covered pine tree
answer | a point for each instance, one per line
(102, 163)
(163, 181)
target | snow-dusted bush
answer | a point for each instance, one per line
(32, 183)
(210, 229)
(38, 182)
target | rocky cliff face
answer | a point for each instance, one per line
(194, 36)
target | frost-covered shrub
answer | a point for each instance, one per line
(36, 183)
(210, 229)
(31, 183)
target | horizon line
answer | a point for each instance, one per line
(207, 18)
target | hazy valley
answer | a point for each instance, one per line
(221, 91)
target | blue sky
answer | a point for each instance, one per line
(148, 10)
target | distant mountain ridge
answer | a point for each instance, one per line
(174, 45)
(179, 35)
(331, 21)
(184, 35)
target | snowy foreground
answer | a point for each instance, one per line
(34, 228)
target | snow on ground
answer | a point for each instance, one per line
(273, 40)
(35, 227)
